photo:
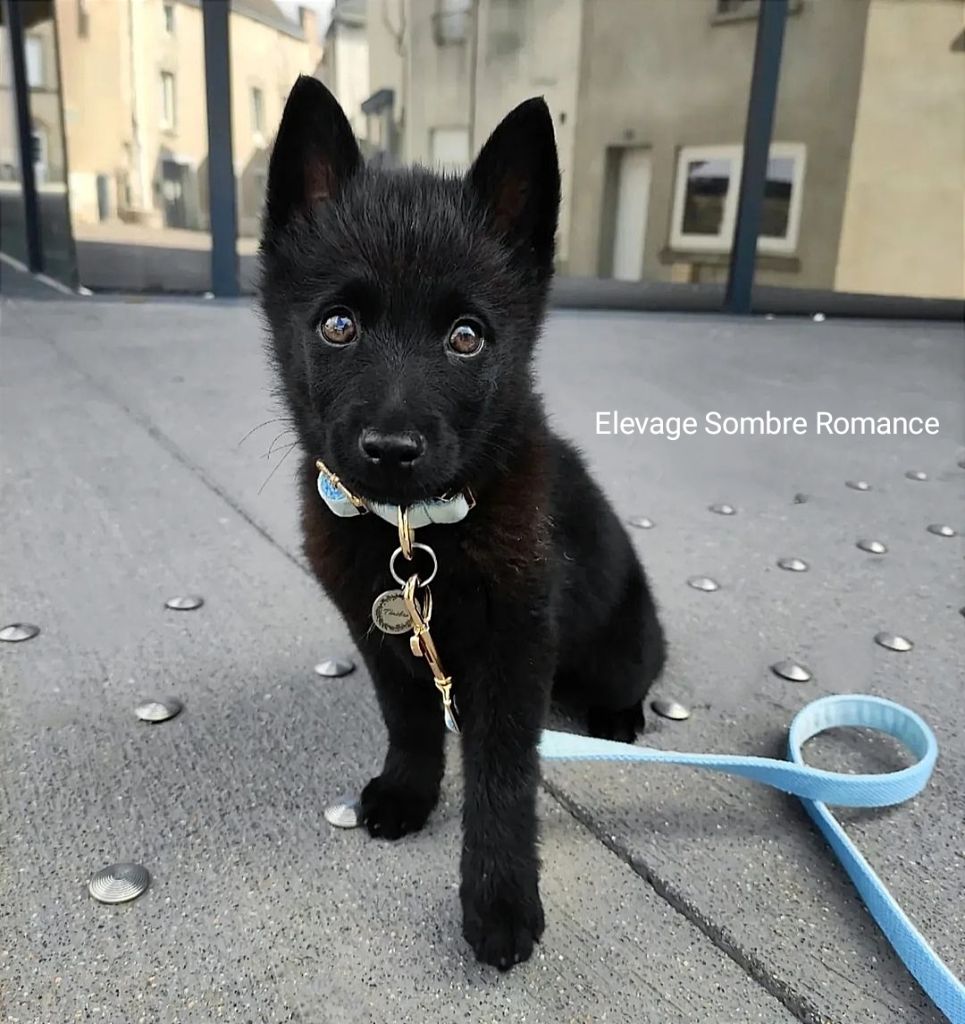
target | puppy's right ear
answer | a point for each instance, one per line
(314, 154)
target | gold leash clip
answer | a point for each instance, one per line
(423, 646)
(405, 533)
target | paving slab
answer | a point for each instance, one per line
(257, 909)
(739, 863)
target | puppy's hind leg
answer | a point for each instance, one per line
(625, 658)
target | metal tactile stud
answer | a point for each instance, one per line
(17, 632)
(858, 485)
(642, 522)
(723, 509)
(792, 671)
(159, 710)
(873, 547)
(333, 668)
(893, 641)
(670, 709)
(942, 531)
(703, 583)
(800, 498)
(819, 318)
(343, 813)
(916, 474)
(792, 564)
(187, 603)
(118, 883)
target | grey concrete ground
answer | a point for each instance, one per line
(670, 895)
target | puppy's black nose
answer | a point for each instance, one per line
(400, 449)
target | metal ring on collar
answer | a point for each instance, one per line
(416, 546)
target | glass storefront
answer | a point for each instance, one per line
(137, 141)
(13, 239)
(47, 149)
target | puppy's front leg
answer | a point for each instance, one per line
(400, 800)
(502, 715)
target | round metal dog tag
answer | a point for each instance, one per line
(389, 612)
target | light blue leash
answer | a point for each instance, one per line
(817, 788)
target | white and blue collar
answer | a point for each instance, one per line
(343, 503)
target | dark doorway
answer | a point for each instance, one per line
(173, 180)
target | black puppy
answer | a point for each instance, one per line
(403, 308)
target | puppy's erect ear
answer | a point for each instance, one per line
(315, 152)
(517, 178)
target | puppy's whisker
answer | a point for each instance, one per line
(271, 447)
(278, 448)
(286, 448)
(275, 470)
(275, 419)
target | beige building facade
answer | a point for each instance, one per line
(904, 211)
(134, 105)
(344, 67)
(649, 97)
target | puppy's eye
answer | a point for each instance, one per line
(466, 337)
(338, 327)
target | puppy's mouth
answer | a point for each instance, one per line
(395, 486)
(394, 489)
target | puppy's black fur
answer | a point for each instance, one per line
(539, 590)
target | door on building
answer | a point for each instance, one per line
(630, 215)
(172, 191)
(41, 149)
(103, 197)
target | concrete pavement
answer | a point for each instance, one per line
(670, 896)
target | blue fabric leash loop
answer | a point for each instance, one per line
(817, 788)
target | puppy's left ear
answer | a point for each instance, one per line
(517, 178)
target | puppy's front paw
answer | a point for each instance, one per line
(502, 933)
(390, 810)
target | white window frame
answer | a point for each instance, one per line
(169, 118)
(83, 19)
(451, 22)
(257, 130)
(720, 242)
(787, 245)
(724, 239)
(35, 62)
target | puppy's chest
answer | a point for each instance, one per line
(482, 572)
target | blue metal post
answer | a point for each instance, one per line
(757, 143)
(221, 174)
